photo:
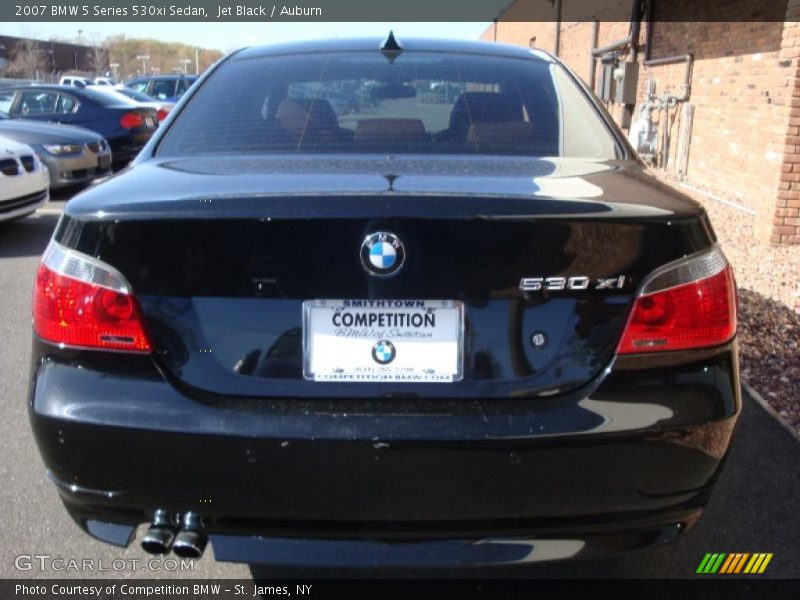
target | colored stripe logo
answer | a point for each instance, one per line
(733, 563)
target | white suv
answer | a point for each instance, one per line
(24, 180)
(75, 81)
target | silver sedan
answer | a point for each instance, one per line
(74, 155)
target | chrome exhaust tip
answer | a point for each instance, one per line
(190, 544)
(191, 541)
(158, 540)
(161, 534)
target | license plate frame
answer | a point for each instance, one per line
(360, 348)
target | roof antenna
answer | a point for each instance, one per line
(389, 47)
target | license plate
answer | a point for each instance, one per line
(411, 341)
(150, 121)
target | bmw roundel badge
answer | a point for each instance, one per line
(383, 352)
(382, 254)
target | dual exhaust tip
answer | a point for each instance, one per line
(184, 536)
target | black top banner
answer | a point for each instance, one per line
(388, 10)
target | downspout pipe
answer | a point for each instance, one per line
(648, 16)
(636, 24)
(592, 58)
(558, 28)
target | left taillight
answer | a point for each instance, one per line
(132, 120)
(688, 304)
(82, 302)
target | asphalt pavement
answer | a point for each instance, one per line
(754, 508)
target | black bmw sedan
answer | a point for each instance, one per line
(431, 329)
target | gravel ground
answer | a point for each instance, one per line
(768, 279)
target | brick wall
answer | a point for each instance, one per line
(786, 221)
(745, 89)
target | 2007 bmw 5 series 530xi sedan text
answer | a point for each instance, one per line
(385, 303)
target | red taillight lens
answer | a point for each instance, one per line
(69, 311)
(131, 120)
(162, 114)
(695, 314)
(114, 306)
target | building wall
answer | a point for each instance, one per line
(57, 57)
(745, 89)
(786, 223)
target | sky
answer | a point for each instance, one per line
(228, 36)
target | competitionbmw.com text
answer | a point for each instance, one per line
(49, 563)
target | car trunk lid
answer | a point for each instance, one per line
(221, 276)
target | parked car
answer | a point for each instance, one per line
(464, 333)
(75, 81)
(162, 108)
(23, 180)
(168, 88)
(123, 123)
(6, 98)
(105, 81)
(73, 155)
(445, 92)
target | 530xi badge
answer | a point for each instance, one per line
(577, 282)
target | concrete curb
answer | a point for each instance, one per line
(771, 411)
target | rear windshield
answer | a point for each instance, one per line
(413, 103)
(134, 95)
(107, 98)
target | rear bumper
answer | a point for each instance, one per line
(627, 464)
(438, 545)
(124, 148)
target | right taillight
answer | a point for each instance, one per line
(690, 303)
(80, 301)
